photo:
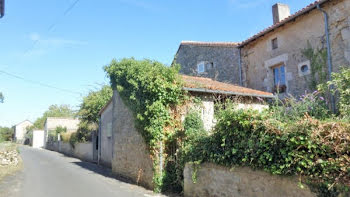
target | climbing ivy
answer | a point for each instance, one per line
(318, 63)
(150, 89)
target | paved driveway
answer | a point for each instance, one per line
(51, 174)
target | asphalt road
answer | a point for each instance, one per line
(51, 174)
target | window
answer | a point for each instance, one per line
(274, 43)
(279, 74)
(304, 68)
(109, 129)
(201, 67)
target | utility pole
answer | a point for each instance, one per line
(2, 8)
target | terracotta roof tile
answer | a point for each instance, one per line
(210, 44)
(203, 84)
(284, 21)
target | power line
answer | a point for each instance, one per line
(39, 83)
(66, 11)
(64, 14)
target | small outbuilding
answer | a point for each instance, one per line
(123, 148)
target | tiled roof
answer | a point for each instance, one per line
(284, 21)
(207, 85)
(210, 44)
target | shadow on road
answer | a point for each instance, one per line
(102, 171)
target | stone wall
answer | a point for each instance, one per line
(213, 180)
(259, 58)
(83, 151)
(106, 145)
(131, 158)
(223, 62)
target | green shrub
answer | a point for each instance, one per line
(340, 85)
(315, 150)
(292, 109)
(178, 147)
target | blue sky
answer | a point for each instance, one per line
(51, 42)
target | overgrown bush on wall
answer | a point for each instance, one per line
(150, 89)
(178, 147)
(317, 151)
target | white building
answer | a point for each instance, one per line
(38, 138)
(21, 130)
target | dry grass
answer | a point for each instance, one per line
(9, 169)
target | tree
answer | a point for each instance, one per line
(89, 112)
(6, 133)
(93, 103)
(54, 111)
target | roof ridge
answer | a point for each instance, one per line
(304, 10)
(216, 43)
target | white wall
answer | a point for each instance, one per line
(20, 130)
(106, 143)
(38, 139)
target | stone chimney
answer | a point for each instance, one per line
(279, 12)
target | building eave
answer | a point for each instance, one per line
(201, 90)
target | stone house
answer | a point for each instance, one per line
(105, 144)
(130, 154)
(216, 60)
(20, 131)
(273, 57)
(51, 123)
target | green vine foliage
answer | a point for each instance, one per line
(318, 63)
(179, 146)
(150, 89)
(340, 85)
(317, 151)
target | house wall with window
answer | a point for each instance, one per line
(274, 62)
(218, 61)
(276, 68)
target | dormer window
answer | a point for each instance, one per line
(201, 67)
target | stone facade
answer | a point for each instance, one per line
(106, 140)
(20, 131)
(213, 180)
(131, 158)
(259, 58)
(280, 45)
(220, 60)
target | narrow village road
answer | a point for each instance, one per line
(51, 174)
